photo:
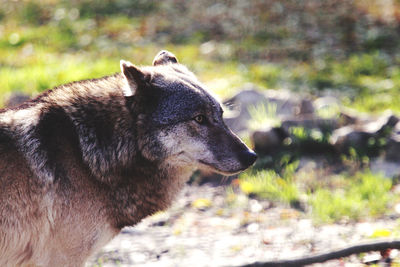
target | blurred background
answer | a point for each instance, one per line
(312, 85)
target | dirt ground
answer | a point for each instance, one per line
(209, 226)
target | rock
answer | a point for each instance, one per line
(252, 228)
(395, 135)
(268, 140)
(359, 136)
(344, 138)
(393, 148)
(325, 101)
(388, 168)
(159, 219)
(283, 104)
(306, 107)
(15, 99)
(385, 122)
(327, 107)
(255, 206)
(239, 105)
(287, 103)
(393, 145)
(349, 117)
(396, 128)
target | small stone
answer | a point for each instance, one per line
(252, 228)
(255, 206)
(138, 257)
(202, 203)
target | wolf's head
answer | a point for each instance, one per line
(179, 122)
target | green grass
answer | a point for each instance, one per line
(263, 115)
(268, 184)
(329, 199)
(271, 185)
(49, 72)
(364, 195)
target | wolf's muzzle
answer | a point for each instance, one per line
(247, 158)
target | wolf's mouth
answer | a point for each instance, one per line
(213, 168)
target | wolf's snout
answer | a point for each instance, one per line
(247, 158)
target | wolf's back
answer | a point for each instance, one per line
(49, 149)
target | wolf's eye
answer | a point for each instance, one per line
(200, 119)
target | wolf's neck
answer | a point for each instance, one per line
(145, 195)
(106, 136)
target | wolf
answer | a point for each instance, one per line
(85, 159)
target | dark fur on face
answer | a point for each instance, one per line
(85, 159)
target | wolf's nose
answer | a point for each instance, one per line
(247, 158)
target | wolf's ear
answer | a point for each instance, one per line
(134, 77)
(164, 57)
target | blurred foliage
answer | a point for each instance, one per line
(263, 115)
(260, 29)
(347, 46)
